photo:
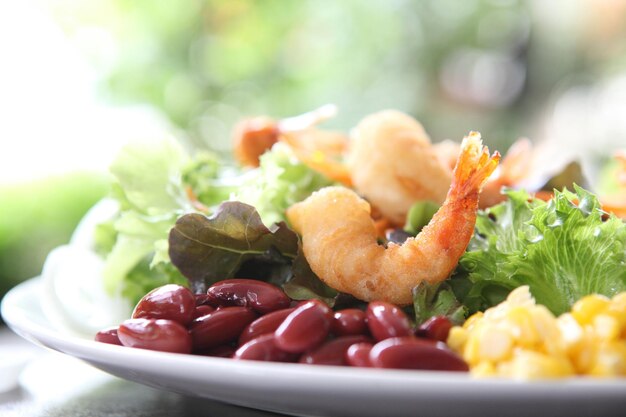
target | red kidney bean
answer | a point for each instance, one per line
(257, 295)
(220, 327)
(263, 348)
(332, 352)
(414, 353)
(221, 351)
(108, 335)
(305, 327)
(350, 321)
(202, 310)
(435, 328)
(203, 299)
(169, 302)
(264, 324)
(155, 334)
(386, 320)
(358, 354)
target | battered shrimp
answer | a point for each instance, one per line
(393, 164)
(254, 136)
(339, 237)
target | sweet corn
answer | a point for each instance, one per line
(606, 327)
(532, 365)
(585, 309)
(610, 360)
(523, 340)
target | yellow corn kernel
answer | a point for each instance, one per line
(610, 360)
(457, 338)
(471, 321)
(547, 329)
(583, 356)
(484, 369)
(521, 297)
(521, 326)
(606, 327)
(585, 309)
(617, 309)
(529, 365)
(571, 333)
(494, 344)
(471, 350)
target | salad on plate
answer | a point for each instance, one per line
(377, 248)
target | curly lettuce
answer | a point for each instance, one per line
(280, 181)
(149, 189)
(562, 249)
(157, 182)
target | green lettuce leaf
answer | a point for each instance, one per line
(144, 277)
(154, 181)
(210, 180)
(280, 181)
(305, 285)
(563, 249)
(149, 175)
(431, 300)
(149, 189)
(419, 215)
(208, 249)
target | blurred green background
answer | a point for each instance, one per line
(506, 68)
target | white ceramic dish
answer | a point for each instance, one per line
(317, 390)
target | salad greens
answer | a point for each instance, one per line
(195, 221)
(235, 242)
(157, 182)
(210, 249)
(151, 196)
(563, 249)
(280, 181)
(431, 300)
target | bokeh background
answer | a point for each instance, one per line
(78, 78)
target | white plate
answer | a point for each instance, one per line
(319, 390)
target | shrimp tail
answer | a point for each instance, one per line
(473, 167)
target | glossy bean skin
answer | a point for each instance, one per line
(202, 310)
(305, 327)
(263, 348)
(108, 335)
(358, 354)
(155, 334)
(385, 320)
(414, 353)
(264, 324)
(257, 295)
(332, 352)
(220, 327)
(435, 328)
(169, 302)
(350, 321)
(203, 299)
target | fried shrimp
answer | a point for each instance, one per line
(393, 164)
(254, 136)
(339, 237)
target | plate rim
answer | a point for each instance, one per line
(34, 331)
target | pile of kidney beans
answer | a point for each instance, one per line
(254, 320)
